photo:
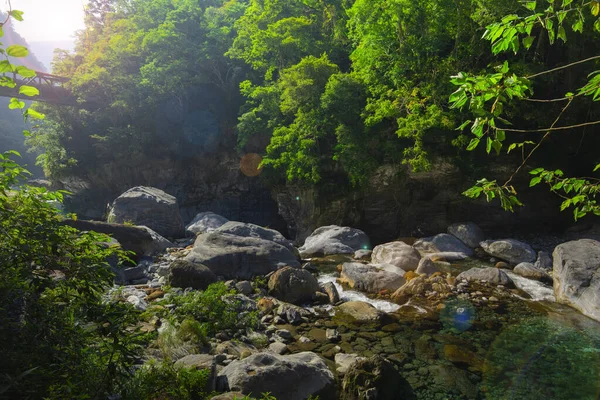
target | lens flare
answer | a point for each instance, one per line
(458, 315)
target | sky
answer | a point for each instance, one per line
(47, 20)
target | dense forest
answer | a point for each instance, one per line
(325, 91)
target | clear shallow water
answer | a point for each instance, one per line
(537, 290)
(351, 295)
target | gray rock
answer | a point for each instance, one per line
(279, 348)
(184, 274)
(159, 244)
(447, 256)
(244, 287)
(290, 377)
(344, 361)
(331, 291)
(372, 278)
(427, 267)
(491, 275)
(442, 243)
(137, 302)
(332, 335)
(237, 257)
(231, 396)
(134, 273)
(510, 250)
(293, 285)
(468, 233)
(291, 313)
(255, 231)
(333, 239)
(205, 222)
(363, 254)
(150, 207)
(577, 276)
(528, 270)
(544, 261)
(399, 254)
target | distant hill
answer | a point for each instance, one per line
(44, 51)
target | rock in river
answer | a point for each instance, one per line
(372, 278)
(293, 285)
(510, 250)
(398, 253)
(333, 239)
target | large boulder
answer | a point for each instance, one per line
(372, 278)
(141, 240)
(530, 271)
(255, 231)
(293, 285)
(442, 243)
(151, 207)
(399, 254)
(577, 275)
(184, 274)
(359, 312)
(205, 222)
(468, 233)
(333, 239)
(510, 250)
(375, 378)
(291, 377)
(491, 275)
(237, 257)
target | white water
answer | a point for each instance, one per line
(351, 295)
(537, 290)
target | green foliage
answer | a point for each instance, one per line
(489, 96)
(215, 309)
(165, 381)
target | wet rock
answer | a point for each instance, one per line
(374, 378)
(184, 274)
(510, 250)
(255, 231)
(290, 377)
(344, 361)
(359, 312)
(529, 270)
(205, 222)
(426, 267)
(332, 292)
(150, 207)
(293, 285)
(468, 233)
(372, 278)
(577, 276)
(491, 275)
(399, 254)
(420, 286)
(333, 239)
(237, 257)
(442, 243)
(449, 379)
(461, 355)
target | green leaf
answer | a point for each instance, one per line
(30, 112)
(29, 91)
(17, 51)
(16, 104)
(535, 181)
(5, 66)
(528, 41)
(562, 35)
(488, 147)
(531, 5)
(16, 14)
(578, 26)
(25, 72)
(565, 204)
(595, 8)
(473, 144)
(597, 167)
(536, 171)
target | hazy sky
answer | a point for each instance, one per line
(47, 19)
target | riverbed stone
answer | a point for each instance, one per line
(491, 275)
(290, 377)
(511, 250)
(359, 312)
(426, 267)
(344, 361)
(374, 378)
(151, 207)
(442, 242)
(468, 233)
(529, 270)
(332, 292)
(333, 239)
(238, 257)
(397, 253)
(205, 222)
(372, 278)
(255, 231)
(184, 274)
(293, 285)
(544, 261)
(577, 275)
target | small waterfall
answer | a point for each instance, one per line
(352, 295)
